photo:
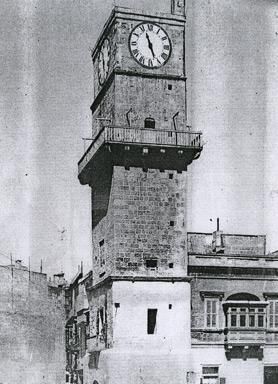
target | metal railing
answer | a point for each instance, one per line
(145, 136)
(152, 136)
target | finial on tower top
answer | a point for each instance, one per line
(178, 7)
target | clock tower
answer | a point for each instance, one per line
(136, 168)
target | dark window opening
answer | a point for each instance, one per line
(149, 123)
(171, 265)
(170, 87)
(171, 175)
(151, 263)
(233, 320)
(101, 243)
(152, 314)
(251, 320)
(127, 168)
(117, 305)
(242, 320)
(170, 306)
(172, 223)
(260, 321)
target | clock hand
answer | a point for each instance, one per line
(150, 45)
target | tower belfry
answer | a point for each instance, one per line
(136, 168)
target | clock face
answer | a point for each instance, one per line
(150, 45)
(103, 61)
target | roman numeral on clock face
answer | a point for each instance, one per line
(142, 27)
(150, 63)
(135, 52)
(141, 60)
(164, 56)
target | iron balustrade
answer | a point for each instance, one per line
(152, 136)
(144, 136)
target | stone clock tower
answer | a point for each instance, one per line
(136, 168)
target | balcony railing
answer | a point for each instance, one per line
(245, 337)
(152, 136)
(138, 147)
(144, 136)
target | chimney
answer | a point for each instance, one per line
(178, 7)
(59, 280)
(217, 239)
(18, 264)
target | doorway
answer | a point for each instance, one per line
(271, 375)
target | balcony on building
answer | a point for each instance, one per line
(245, 332)
(139, 147)
(96, 343)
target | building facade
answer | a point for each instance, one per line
(234, 309)
(233, 327)
(162, 304)
(32, 326)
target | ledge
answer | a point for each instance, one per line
(109, 280)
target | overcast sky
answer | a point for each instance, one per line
(46, 93)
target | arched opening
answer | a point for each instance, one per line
(149, 123)
(243, 296)
(244, 310)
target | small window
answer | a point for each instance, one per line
(260, 321)
(251, 320)
(149, 123)
(171, 176)
(151, 326)
(242, 320)
(211, 312)
(172, 223)
(210, 375)
(151, 263)
(170, 87)
(273, 314)
(233, 320)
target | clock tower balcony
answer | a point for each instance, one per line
(139, 147)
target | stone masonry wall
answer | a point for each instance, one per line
(32, 329)
(145, 220)
(201, 243)
(159, 99)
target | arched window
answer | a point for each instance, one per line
(245, 310)
(243, 296)
(149, 123)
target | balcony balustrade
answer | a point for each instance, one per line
(140, 147)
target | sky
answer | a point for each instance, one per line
(46, 91)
